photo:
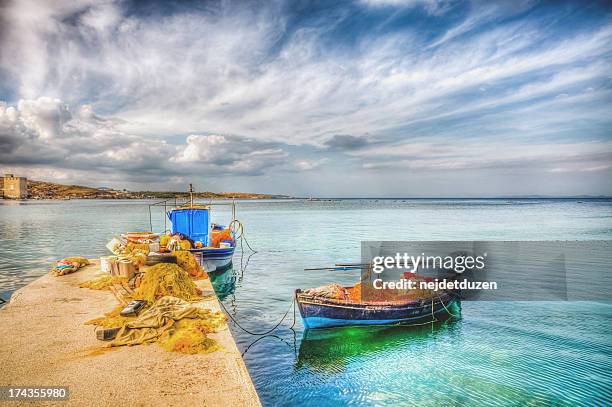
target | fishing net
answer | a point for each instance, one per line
(220, 235)
(187, 261)
(111, 319)
(354, 293)
(137, 256)
(369, 293)
(166, 279)
(190, 335)
(185, 245)
(82, 261)
(163, 240)
(103, 282)
(175, 324)
(334, 291)
(131, 246)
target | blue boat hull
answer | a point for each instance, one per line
(324, 313)
(213, 259)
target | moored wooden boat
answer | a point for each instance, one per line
(322, 312)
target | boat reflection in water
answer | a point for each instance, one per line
(331, 350)
(223, 281)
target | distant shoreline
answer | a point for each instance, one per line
(42, 190)
(289, 198)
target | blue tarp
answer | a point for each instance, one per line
(192, 222)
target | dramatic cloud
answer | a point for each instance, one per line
(232, 155)
(182, 91)
(43, 132)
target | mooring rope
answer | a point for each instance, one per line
(242, 235)
(447, 310)
(270, 330)
(239, 227)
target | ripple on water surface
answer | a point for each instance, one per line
(554, 353)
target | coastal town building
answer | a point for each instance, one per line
(15, 187)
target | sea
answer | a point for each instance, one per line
(517, 353)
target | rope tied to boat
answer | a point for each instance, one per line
(237, 230)
(268, 331)
(447, 310)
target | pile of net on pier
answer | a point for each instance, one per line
(111, 319)
(69, 265)
(187, 261)
(171, 319)
(158, 280)
(166, 279)
(175, 324)
(103, 282)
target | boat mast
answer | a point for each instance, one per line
(191, 195)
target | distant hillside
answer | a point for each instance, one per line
(50, 190)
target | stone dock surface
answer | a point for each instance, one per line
(45, 342)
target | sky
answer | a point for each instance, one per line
(371, 98)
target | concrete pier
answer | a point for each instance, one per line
(44, 342)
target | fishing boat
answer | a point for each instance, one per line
(323, 312)
(193, 221)
(213, 244)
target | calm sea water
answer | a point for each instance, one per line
(505, 353)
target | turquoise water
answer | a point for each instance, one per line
(504, 353)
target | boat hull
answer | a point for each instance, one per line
(324, 313)
(214, 259)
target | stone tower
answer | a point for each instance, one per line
(15, 187)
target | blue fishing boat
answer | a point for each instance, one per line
(193, 221)
(213, 245)
(322, 312)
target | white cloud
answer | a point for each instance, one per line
(557, 157)
(201, 148)
(220, 73)
(45, 116)
(434, 7)
(237, 155)
(249, 84)
(43, 132)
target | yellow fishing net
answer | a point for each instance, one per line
(102, 282)
(163, 240)
(187, 261)
(185, 245)
(166, 279)
(81, 260)
(137, 256)
(189, 335)
(111, 319)
(177, 325)
(143, 247)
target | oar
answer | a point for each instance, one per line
(332, 268)
(355, 265)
